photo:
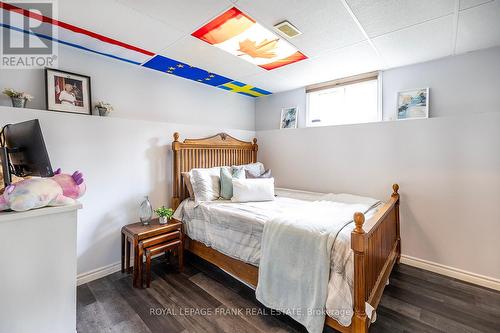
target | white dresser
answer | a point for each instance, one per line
(38, 270)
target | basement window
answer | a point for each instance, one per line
(352, 100)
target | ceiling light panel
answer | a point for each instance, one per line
(237, 33)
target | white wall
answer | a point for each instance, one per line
(140, 93)
(122, 160)
(448, 166)
(127, 155)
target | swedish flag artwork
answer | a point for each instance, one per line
(177, 68)
(244, 89)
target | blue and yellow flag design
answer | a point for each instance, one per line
(177, 68)
(244, 89)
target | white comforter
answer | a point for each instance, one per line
(294, 269)
(235, 229)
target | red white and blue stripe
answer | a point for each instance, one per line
(83, 39)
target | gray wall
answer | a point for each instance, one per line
(448, 166)
(268, 109)
(140, 93)
(459, 85)
(463, 84)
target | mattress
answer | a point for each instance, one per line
(235, 229)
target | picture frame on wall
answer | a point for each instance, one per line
(67, 92)
(413, 104)
(289, 117)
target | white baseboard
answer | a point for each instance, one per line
(456, 273)
(98, 273)
(102, 272)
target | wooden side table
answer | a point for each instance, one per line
(161, 248)
(137, 232)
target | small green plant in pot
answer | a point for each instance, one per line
(165, 214)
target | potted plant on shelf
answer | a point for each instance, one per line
(165, 214)
(18, 98)
(104, 108)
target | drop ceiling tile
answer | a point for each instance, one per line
(119, 22)
(182, 15)
(379, 17)
(270, 81)
(351, 60)
(423, 42)
(479, 27)
(325, 24)
(200, 54)
(464, 4)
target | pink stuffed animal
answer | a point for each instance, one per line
(59, 190)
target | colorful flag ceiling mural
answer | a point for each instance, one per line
(238, 34)
(89, 41)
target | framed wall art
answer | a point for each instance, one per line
(67, 92)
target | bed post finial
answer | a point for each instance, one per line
(395, 189)
(359, 219)
(176, 183)
(255, 149)
(395, 196)
(358, 245)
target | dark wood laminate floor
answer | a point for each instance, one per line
(205, 299)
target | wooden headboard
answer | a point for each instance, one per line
(218, 150)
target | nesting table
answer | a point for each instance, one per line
(149, 239)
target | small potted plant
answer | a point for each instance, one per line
(165, 214)
(104, 108)
(18, 98)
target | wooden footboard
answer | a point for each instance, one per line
(377, 246)
(376, 243)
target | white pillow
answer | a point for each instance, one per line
(255, 168)
(206, 184)
(247, 190)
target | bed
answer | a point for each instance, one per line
(375, 242)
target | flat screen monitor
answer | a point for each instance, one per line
(27, 155)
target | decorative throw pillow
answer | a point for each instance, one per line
(267, 174)
(256, 168)
(247, 190)
(206, 184)
(187, 181)
(226, 181)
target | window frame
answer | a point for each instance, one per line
(371, 76)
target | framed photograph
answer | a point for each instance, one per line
(67, 92)
(413, 103)
(289, 117)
